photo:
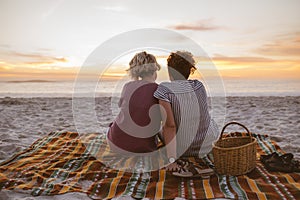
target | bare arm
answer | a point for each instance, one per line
(169, 128)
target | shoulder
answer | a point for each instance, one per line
(164, 87)
(140, 83)
(181, 86)
(152, 85)
(148, 86)
(162, 92)
(129, 84)
(196, 84)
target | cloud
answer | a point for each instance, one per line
(202, 25)
(256, 67)
(52, 9)
(5, 46)
(38, 63)
(19, 64)
(112, 8)
(45, 49)
(27, 71)
(39, 58)
(2, 68)
(13, 59)
(297, 39)
(285, 46)
(242, 59)
(255, 63)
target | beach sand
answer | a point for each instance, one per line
(24, 120)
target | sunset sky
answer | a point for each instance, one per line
(51, 39)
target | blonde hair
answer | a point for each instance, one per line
(142, 64)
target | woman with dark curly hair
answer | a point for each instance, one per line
(187, 122)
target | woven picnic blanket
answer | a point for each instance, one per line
(62, 162)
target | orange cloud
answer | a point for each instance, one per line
(241, 60)
(288, 46)
(297, 39)
(40, 73)
(17, 58)
(202, 25)
(38, 57)
(257, 67)
(38, 63)
(261, 73)
(16, 64)
(2, 68)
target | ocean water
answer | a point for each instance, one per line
(227, 87)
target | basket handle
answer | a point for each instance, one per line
(250, 135)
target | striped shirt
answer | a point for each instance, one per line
(188, 100)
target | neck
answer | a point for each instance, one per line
(149, 79)
(176, 79)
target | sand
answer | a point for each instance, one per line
(24, 120)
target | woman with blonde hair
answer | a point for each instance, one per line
(134, 129)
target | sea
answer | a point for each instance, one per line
(225, 87)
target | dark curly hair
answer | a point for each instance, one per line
(181, 64)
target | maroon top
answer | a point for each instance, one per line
(133, 129)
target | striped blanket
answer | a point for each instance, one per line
(61, 162)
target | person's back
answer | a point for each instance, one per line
(185, 105)
(135, 127)
(189, 106)
(133, 130)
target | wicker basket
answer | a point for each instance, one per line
(234, 155)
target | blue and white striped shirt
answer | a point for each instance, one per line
(188, 100)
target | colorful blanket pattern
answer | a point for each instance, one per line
(61, 162)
